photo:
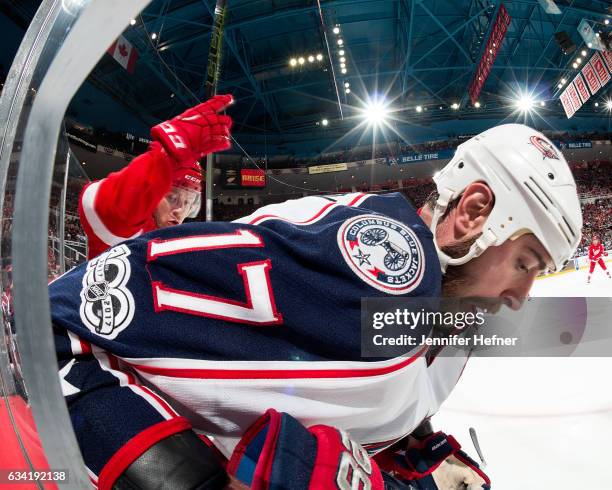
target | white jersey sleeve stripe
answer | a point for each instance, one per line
(126, 380)
(75, 344)
(96, 223)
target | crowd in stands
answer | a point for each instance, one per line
(593, 178)
(597, 218)
(73, 232)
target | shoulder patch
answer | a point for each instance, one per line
(107, 306)
(384, 253)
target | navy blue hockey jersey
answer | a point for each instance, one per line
(265, 289)
(219, 321)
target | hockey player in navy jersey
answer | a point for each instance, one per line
(172, 345)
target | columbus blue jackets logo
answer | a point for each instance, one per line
(545, 147)
(384, 253)
(107, 306)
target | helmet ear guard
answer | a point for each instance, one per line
(533, 187)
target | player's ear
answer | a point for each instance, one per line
(475, 206)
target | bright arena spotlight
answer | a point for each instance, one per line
(609, 104)
(525, 103)
(376, 112)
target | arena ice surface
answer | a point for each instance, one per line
(542, 423)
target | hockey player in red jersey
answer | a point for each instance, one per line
(596, 255)
(178, 341)
(162, 186)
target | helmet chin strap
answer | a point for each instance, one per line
(487, 239)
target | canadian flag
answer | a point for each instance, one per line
(125, 54)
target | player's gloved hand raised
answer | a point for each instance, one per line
(434, 463)
(279, 452)
(197, 131)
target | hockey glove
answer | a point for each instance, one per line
(434, 463)
(278, 452)
(196, 132)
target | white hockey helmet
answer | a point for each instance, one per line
(533, 186)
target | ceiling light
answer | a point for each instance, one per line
(419, 108)
(343, 71)
(336, 30)
(454, 106)
(293, 62)
(341, 52)
(133, 22)
(311, 59)
(347, 85)
(607, 21)
(301, 60)
(563, 81)
(609, 104)
(477, 104)
(583, 52)
(525, 103)
(324, 122)
(154, 36)
(319, 57)
(578, 60)
(342, 59)
(342, 65)
(590, 45)
(375, 112)
(574, 65)
(560, 85)
(347, 90)
(340, 42)
(542, 103)
(596, 104)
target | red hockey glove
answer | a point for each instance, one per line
(196, 132)
(436, 462)
(279, 452)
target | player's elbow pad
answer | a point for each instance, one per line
(179, 461)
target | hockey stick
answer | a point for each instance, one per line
(213, 73)
(477, 446)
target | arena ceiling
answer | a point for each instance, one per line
(415, 52)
